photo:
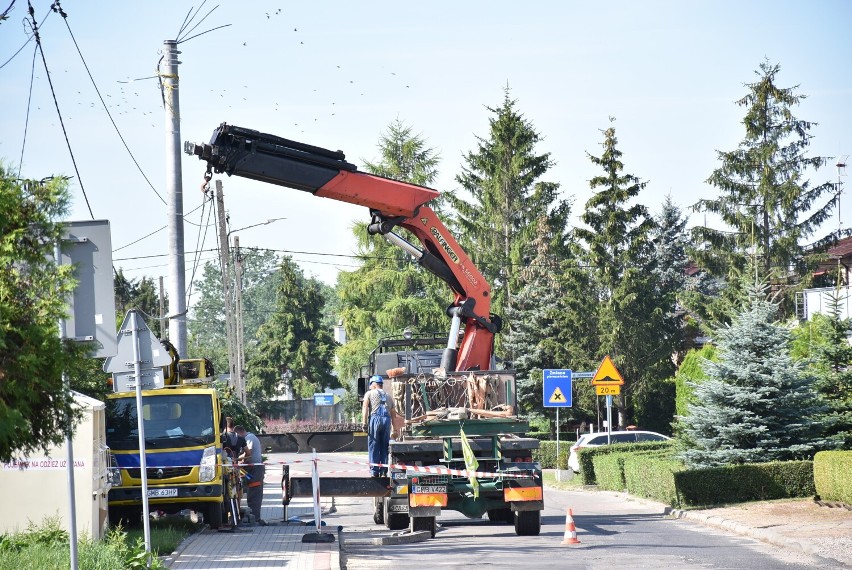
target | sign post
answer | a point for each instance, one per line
(607, 381)
(557, 394)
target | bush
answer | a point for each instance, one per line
(586, 456)
(747, 482)
(831, 476)
(305, 426)
(546, 454)
(652, 476)
(609, 471)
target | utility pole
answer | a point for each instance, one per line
(162, 310)
(224, 260)
(177, 265)
(240, 352)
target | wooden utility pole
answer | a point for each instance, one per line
(224, 260)
(238, 288)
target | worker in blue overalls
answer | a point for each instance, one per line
(376, 415)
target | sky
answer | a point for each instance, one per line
(336, 74)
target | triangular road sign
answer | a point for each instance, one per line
(557, 397)
(607, 374)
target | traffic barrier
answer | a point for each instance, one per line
(570, 529)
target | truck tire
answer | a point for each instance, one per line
(212, 513)
(527, 523)
(394, 521)
(423, 524)
(501, 515)
(379, 508)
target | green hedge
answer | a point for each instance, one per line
(586, 455)
(609, 471)
(546, 454)
(831, 476)
(652, 476)
(749, 482)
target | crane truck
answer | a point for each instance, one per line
(462, 445)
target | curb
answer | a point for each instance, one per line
(761, 534)
(406, 538)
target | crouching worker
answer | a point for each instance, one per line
(376, 413)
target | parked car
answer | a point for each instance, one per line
(600, 438)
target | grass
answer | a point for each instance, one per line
(575, 482)
(46, 546)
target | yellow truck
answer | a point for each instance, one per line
(186, 467)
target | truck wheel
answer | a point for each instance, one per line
(379, 507)
(501, 515)
(394, 521)
(212, 513)
(423, 523)
(527, 523)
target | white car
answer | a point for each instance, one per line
(599, 438)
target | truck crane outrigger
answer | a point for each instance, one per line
(431, 463)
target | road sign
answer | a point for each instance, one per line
(607, 374)
(152, 354)
(588, 374)
(323, 399)
(557, 388)
(607, 389)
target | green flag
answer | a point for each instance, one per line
(470, 463)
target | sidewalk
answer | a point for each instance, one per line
(276, 545)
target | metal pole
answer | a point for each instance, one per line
(162, 310)
(557, 438)
(609, 419)
(69, 443)
(143, 462)
(177, 273)
(238, 288)
(224, 256)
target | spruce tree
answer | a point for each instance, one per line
(757, 403)
(770, 208)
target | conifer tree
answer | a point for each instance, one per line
(757, 403)
(770, 208)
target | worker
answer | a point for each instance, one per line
(376, 415)
(252, 460)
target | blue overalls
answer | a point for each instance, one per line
(378, 436)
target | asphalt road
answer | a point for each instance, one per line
(614, 533)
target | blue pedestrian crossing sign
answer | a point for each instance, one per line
(557, 388)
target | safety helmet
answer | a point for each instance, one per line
(377, 379)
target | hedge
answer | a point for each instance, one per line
(831, 476)
(546, 454)
(652, 477)
(747, 482)
(609, 471)
(586, 455)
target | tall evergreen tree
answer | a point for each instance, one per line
(631, 310)
(35, 406)
(765, 200)
(293, 344)
(757, 403)
(502, 177)
(390, 292)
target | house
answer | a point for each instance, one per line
(832, 278)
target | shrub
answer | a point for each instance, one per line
(546, 455)
(652, 476)
(305, 426)
(586, 455)
(746, 482)
(609, 471)
(831, 476)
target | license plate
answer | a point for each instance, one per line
(398, 508)
(153, 493)
(428, 488)
(398, 475)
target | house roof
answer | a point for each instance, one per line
(842, 249)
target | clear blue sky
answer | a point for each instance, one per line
(335, 74)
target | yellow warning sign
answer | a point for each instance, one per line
(557, 397)
(607, 374)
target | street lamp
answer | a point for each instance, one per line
(267, 222)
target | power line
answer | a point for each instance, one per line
(29, 106)
(34, 26)
(20, 49)
(57, 7)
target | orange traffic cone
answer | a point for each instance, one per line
(570, 529)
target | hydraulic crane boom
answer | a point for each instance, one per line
(325, 173)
